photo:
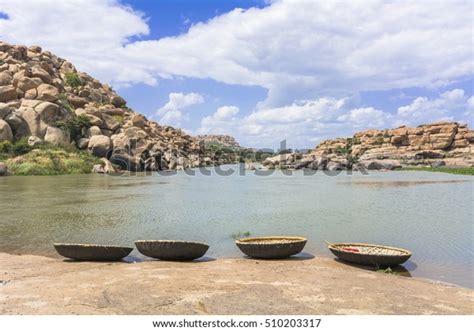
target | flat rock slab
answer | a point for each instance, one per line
(42, 285)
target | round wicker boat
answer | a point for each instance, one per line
(86, 252)
(276, 247)
(172, 250)
(368, 254)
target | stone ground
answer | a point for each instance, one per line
(42, 285)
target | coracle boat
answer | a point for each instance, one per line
(172, 250)
(276, 247)
(88, 252)
(369, 254)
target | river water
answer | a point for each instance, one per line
(430, 214)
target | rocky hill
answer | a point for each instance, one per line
(45, 100)
(219, 140)
(438, 144)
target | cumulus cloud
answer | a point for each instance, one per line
(172, 112)
(89, 35)
(368, 117)
(450, 105)
(294, 49)
(307, 122)
(221, 122)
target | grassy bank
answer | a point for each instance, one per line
(455, 171)
(24, 160)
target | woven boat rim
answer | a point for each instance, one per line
(171, 241)
(90, 245)
(251, 240)
(335, 246)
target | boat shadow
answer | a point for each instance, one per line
(138, 259)
(401, 270)
(297, 257)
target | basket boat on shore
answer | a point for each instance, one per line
(172, 250)
(369, 254)
(92, 252)
(276, 247)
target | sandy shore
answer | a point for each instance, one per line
(42, 285)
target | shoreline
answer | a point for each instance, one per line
(444, 170)
(31, 284)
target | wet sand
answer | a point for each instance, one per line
(42, 285)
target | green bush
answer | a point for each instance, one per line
(65, 102)
(119, 118)
(21, 147)
(356, 141)
(74, 125)
(379, 140)
(342, 150)
(6, 147)
(72, 79)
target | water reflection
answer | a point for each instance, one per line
(382, 184)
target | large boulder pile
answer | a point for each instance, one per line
(441, 143)
(438, 144)
(44, 98)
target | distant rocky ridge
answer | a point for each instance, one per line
(219, 140)
(438, 144)
(44, 99)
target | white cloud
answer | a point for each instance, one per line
(293, 48)
(90, 35)
(450, 105)
(225, 112)
(172, 112)
(221, 122)
(305, 123)
(369, 117)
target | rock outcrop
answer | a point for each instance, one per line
(438, 144)
(219, 140)
(44, 98)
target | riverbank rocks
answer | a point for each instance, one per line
(449, 144)
(105, 167)
(35, 141)
(56, 136)
(100, 145)
(44, 96)
(5, 131)
(3, 169)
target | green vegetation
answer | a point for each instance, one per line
(356, 141)
(72, 79)
(65, 103)
(379, 140)
(385, 271)
(23, 159)
(74, 125)
(455, 171)
(57, 161)
(239, 235)
(119, 118)
(9, 149)
(342, 150)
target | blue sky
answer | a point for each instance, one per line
(303, 71)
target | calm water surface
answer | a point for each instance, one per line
(430, 214)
